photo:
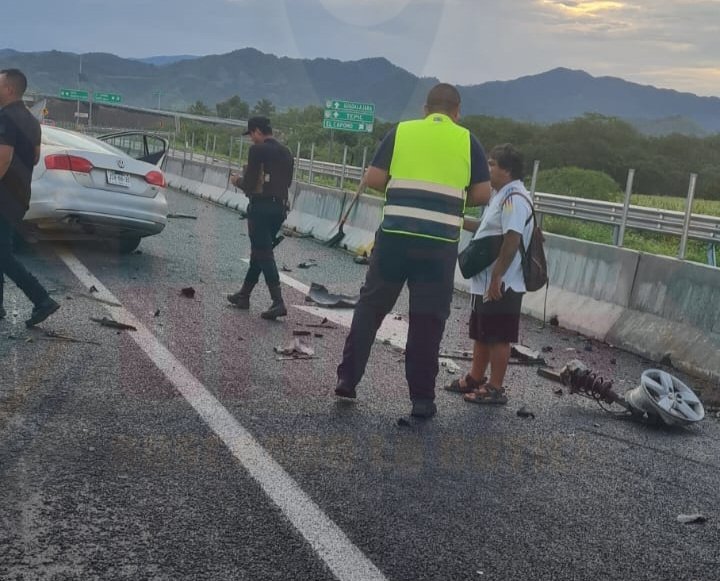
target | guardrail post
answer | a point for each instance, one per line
(207, 145)
(192, 146)
(214, 145)
(711, 259)
(240, 153)
(344, 167)
(533, 187)
(688, 215)
(297, 162)
(620, 232)
(185, 146)
(312, 163)
(364, 162)
(230, 160)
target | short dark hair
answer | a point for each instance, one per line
(442, 98)
(509, 158)
(260, 123)
(17, 79)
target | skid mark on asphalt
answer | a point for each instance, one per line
(328, 541)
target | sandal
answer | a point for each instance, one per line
(471, 384)
(493, 396)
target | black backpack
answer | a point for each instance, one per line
(534, 264)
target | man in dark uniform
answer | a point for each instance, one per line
(266, 181)
(429, 169)
(19, 153)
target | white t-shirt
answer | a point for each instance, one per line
(503, 214)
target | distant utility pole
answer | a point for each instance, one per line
(158, 94)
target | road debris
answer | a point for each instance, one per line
(404, 423)
(554, 321)
(157, 313)
(691, 519)
(450, 366)
(361, 260)
(285, 268)
(186, 216)
(523, 412)
(559, 392)
(105, 322)
(308, 263)
(547, 349)
(296, 349)
(100, 300)
(93, 289)
(526, 355)
(188, 292)
(321, 296)
(57, 336)
(324, 324)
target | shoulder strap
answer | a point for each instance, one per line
(532, 217)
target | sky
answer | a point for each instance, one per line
(671, 44)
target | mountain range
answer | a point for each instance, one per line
(175, 82)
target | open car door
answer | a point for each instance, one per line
(146, 147)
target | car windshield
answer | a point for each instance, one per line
(72, 140)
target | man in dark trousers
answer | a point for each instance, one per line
(266, 181)
(429, 169)
(19, 153)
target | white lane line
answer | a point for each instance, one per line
(330, 543)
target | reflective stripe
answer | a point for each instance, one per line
(411, 227)
(420, 214)
(426, 200)
(426, 186)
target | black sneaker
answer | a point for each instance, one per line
(423, 408)
(3, 313)
(343, 390)
(42, 311)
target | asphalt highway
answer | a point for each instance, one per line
(186, 450)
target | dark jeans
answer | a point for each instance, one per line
(265, 218)
(428, 267)
(10, 266)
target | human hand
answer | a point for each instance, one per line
(495, 290)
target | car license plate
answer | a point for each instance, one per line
(117, 178)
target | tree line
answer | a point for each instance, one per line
(593, 142)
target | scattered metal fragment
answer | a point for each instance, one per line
(99, 300)
(68, 338)
(187, 216)
(188, 292)
(296, 358)
(523, 412)
(157, 313)
(301, 333)
(559, 391)
(105, 322)
(455, 354)
(308, 263)
(324, 324)
(285, 268)
(450, 366)
(691, 519)
(321, 296)
(93, 289)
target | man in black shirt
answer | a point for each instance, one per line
(266, 181)
(19, 152)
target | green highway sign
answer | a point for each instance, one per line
(107, 98)
(358, 126)
(350, 106)
(349, 116)
(74, 94)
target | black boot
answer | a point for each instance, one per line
(241, 299)
(277, 309)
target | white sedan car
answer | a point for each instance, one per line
(109, 188)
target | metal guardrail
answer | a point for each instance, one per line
(700, 227)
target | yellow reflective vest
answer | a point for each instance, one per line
(429, 177)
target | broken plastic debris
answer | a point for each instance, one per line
(105, 322)
(188, 292)
(308, 263)
(523, 412)
(691, 519)
(526, 355)
(321, 296)
(297, 349)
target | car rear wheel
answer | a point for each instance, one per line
(127, 245)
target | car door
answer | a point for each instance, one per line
(145, 147)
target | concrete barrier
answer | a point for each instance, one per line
(651, 305)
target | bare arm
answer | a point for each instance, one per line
(6, 155)
(479, 194)
(470, 224)
(510, 246)
(376, 178)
